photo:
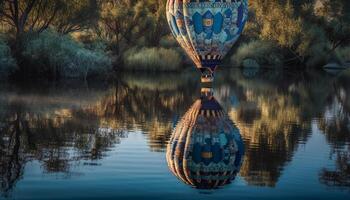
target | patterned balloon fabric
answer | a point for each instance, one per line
(206, 149)
(207, 29)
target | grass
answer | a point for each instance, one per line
(152, 59)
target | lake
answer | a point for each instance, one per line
(99, 140)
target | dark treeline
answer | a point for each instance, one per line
(85, 38)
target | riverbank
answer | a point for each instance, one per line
(278, 34)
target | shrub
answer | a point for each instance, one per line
(318, 55)
(264, 52)
(152, 59)
(315, 47)
(7, 63)
(50, 53)
(168, 42)
(343, 54)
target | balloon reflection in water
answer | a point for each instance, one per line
(206, 148)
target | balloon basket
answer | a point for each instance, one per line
(207, 79)
(207, 90)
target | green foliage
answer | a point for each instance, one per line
(168, 42)
(315, 47)
(60, 56)
(264, 52)
(343, 54)
(126, 23)
(336, 20)
(152, 59)
(306, 32)
(277, 22)
(37, 15)
(76, 15)
(7, 63)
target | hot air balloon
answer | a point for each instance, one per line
(207, 29)
(205, 149)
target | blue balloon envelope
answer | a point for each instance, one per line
(206, 149)
(207, 29)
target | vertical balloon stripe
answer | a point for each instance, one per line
(188, 141)
(190, 26)
(174, 26)
(189, 23)
(181, 22)
(208, 21)
(244, 17)
(170, 18)
(197, 23)
(218, 20)
(240, 15)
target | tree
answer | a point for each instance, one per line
(77, 15)
(132, 22)
(307, 31)
(276, 21)
(336, 16)
(38, 15)
(25, 15)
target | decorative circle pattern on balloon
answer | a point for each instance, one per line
(207, 29)
(206, 149)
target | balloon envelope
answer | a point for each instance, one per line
(207, 29)
(206, 149)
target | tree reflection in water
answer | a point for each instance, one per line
(340, 176)
(274, 113)
(32, 129)
(11, 158)
(335, 124)
(271, 123)
(59, 126)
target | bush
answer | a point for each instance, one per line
(7, 63)
(50, 53)
(168, 42)
(152, 59)
(315, 47)
(263, 52)
(318, 55)
(343, 54)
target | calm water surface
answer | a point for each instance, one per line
(109, 141)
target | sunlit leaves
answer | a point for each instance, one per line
(278, 22)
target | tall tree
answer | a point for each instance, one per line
(132, 22)
(38, 15)
(336, 14)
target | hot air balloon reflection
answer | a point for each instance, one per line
(206, 149)
(207, 29)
